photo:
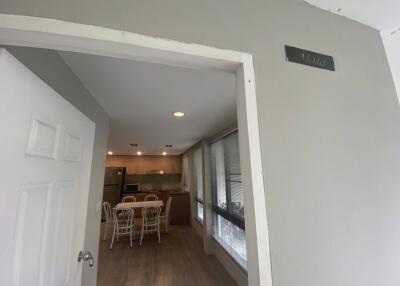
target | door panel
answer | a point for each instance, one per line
(30, 229)
(44, 178)
(43, 138)
(64, 219)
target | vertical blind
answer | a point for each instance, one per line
(185, 174)
(198, 183)
(227, 180)
(198, 178)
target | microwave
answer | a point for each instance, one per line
(132, 188)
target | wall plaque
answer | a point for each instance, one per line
(309, 58)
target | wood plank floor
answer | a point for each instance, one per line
(178, 260)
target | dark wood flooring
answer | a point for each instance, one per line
(178, 261)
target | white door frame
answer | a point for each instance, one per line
(67, 36)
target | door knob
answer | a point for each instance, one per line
(86, 256)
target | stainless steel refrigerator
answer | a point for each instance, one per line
(113, 185)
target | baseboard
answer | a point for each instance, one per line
(198, 227)
(234, 269)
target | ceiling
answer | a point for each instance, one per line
(140, 98)
(382, 15)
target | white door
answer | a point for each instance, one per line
(46, 148)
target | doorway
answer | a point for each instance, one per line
(147, 140)
(51, 34)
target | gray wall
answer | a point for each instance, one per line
(330, 140)
(50, 67)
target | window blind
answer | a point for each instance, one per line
(198, 178)
(227, 183)
(228, 197)
(198, 183)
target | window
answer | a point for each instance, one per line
(185, 174)
(198, 184)
(228, 206)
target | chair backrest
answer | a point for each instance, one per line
(151, 198)
(128, 199)
(151, 216)
(168, 206)
(107, 211)
(125, 221)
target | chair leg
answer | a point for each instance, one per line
(166, 226)
(131, 237)
(158, 231)
(112, 240)
(105, 232)
(141, 236)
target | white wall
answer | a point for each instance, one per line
(392, 47)
(49, 66)
(330, 140)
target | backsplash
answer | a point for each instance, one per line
(145, 164)
(155, 182)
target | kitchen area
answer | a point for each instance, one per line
(139, 176)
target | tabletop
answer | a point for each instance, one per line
(139, 204)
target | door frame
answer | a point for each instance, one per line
(61, 35)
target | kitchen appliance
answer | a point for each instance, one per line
(114, 178)
(132, 188)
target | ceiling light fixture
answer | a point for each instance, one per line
(138, 153)
(164, 153)
(109, 152)
(178, 113)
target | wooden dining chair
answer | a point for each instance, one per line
(164, 218)
(151, 198)
(108, 217)
(128, 199)
(123, 225)
(150, 221)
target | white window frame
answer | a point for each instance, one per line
(68, 36)
(185, 173)
(198, 177)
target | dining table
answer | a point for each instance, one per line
(143, 204)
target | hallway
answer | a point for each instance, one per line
(178, 260)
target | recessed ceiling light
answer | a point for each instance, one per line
(109, 152)
(138, 153)
(178, 113)
(164, 153)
